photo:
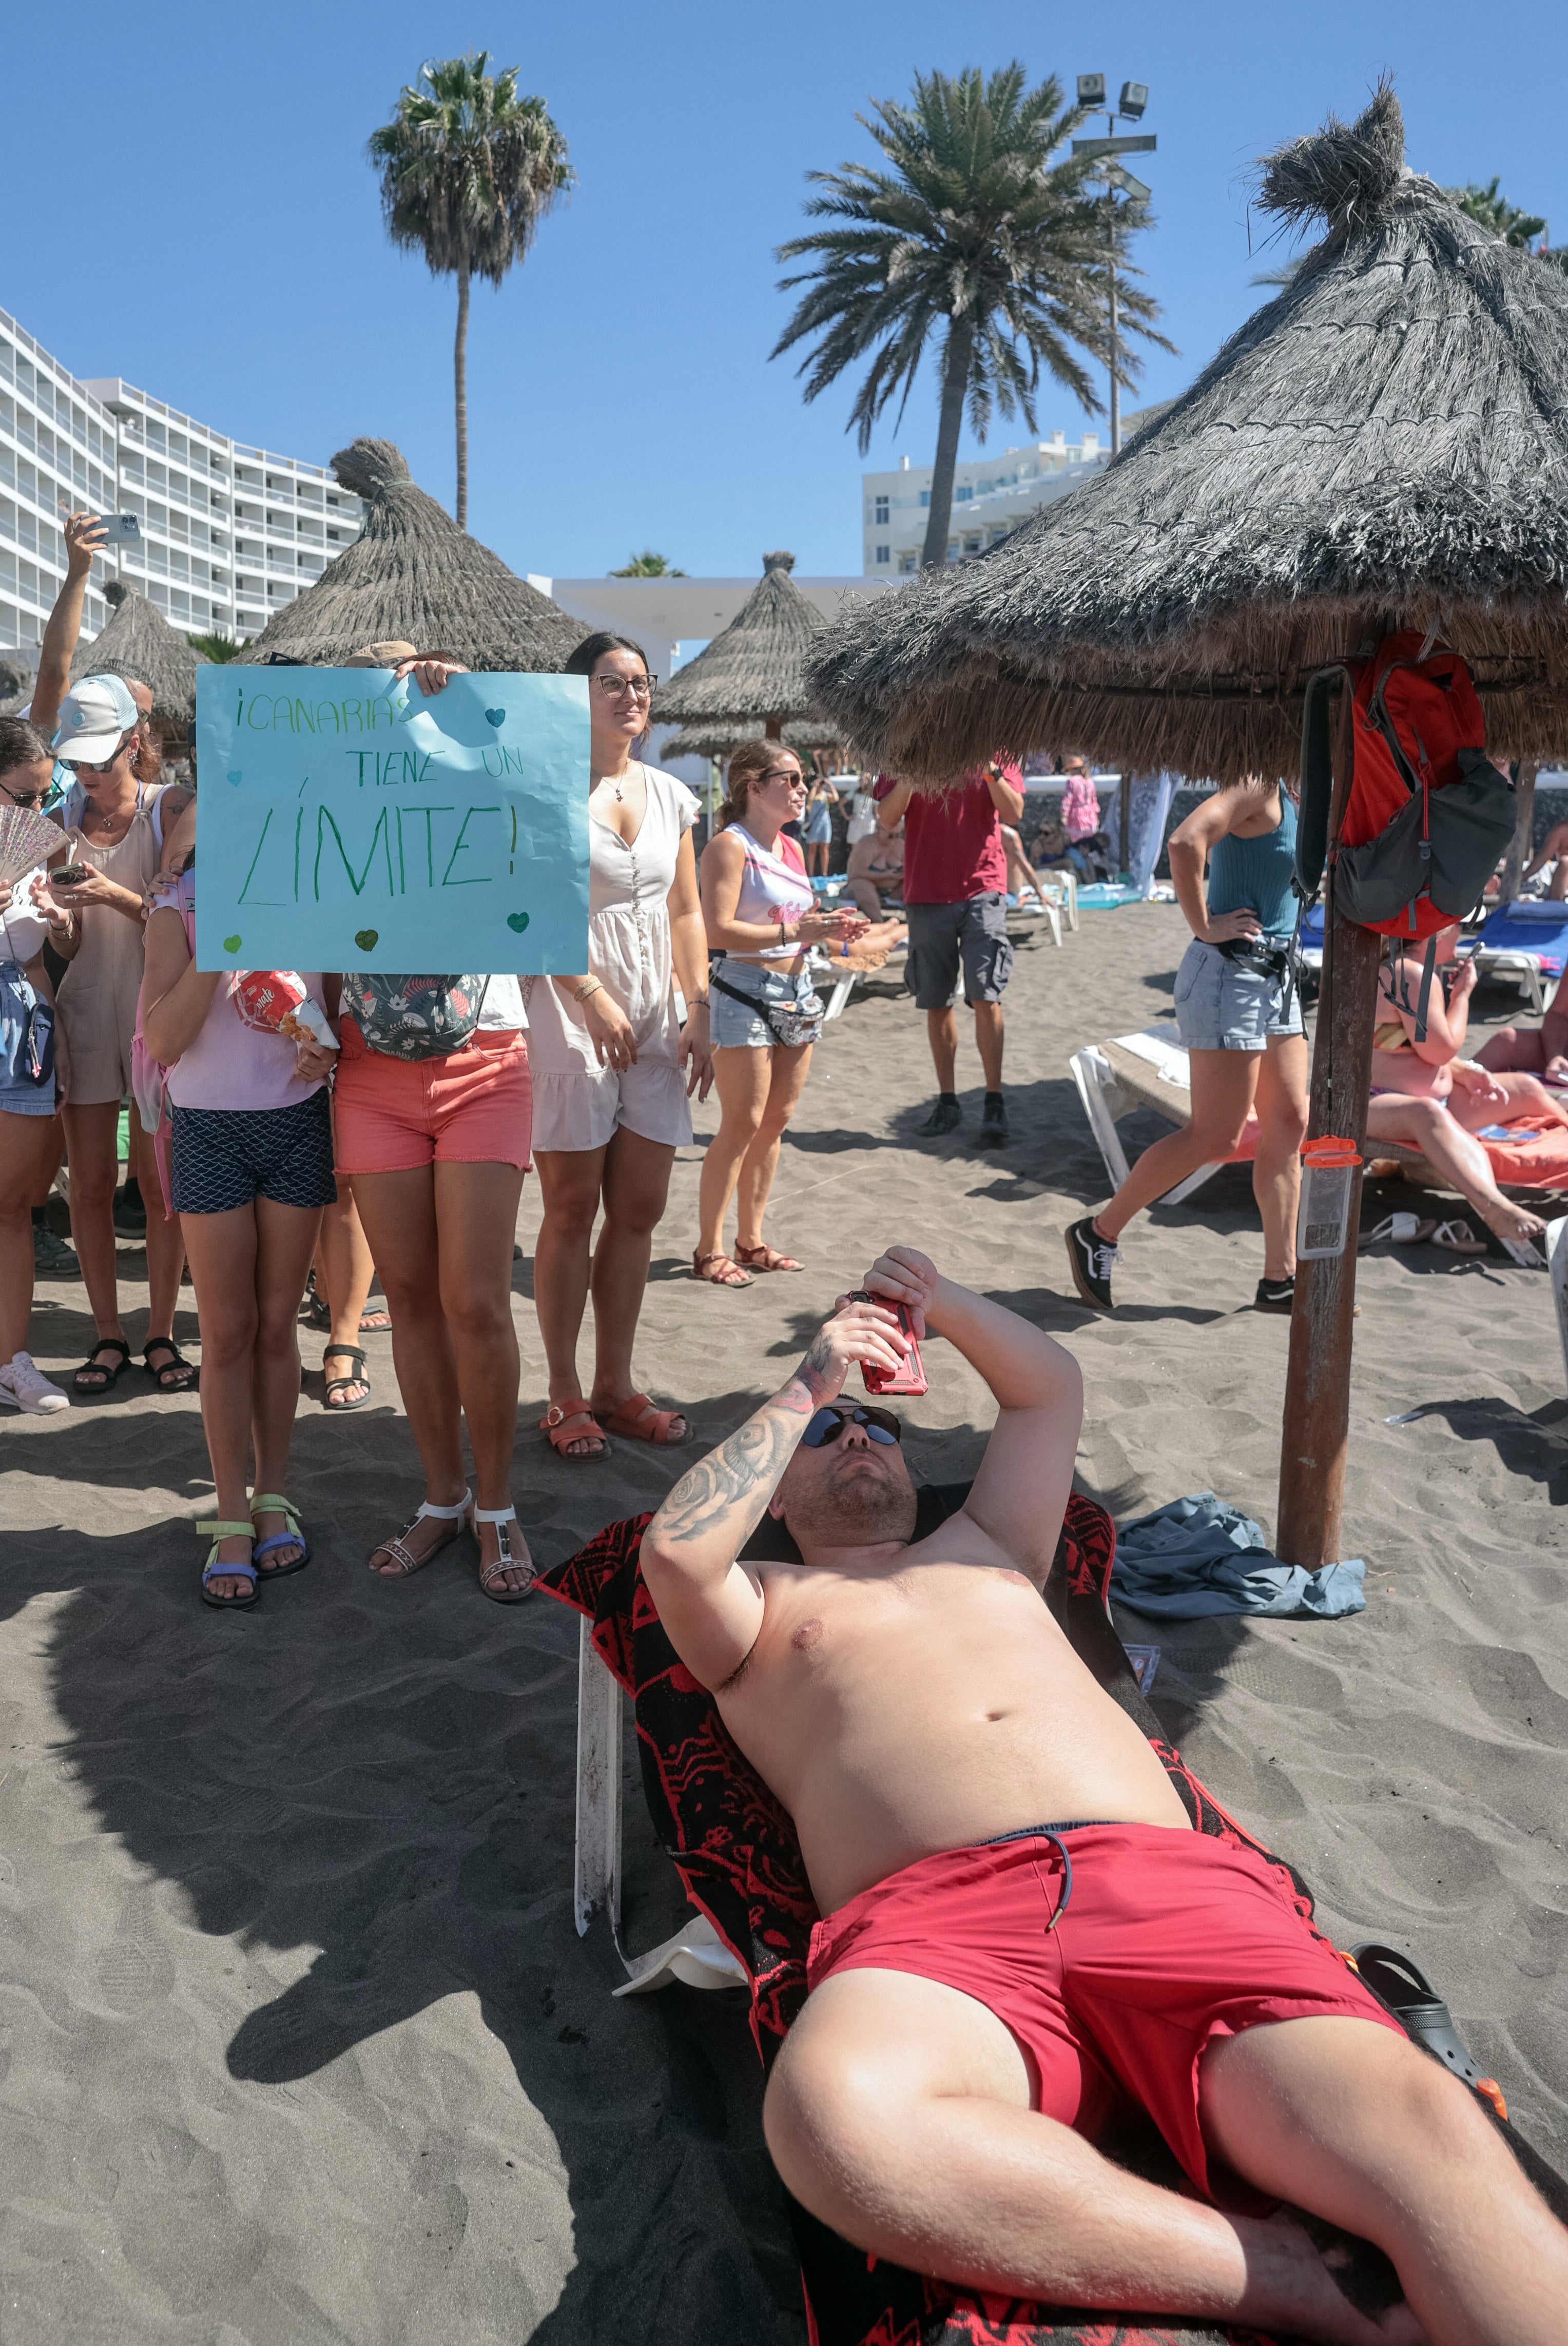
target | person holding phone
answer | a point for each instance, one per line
(30, 1086)
(766, 1017)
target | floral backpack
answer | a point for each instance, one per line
(413, 1017)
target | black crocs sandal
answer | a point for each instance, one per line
(341, 1384)
(1401, 1987)
(175, 1360)
(108, 1377)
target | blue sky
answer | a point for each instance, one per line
(189, 207)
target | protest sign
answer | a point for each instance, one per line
(344, 821)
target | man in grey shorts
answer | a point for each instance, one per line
(955, 901)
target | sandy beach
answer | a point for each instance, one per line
(297, 2039)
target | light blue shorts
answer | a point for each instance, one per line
(733, 1025)
(1221, 1006)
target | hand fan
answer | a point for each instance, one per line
(25, 838)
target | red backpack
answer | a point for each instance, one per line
(1427, 814)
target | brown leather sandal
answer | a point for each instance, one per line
(574, 1421)
(729, 1274)
(766, 1258)
(637, 1420)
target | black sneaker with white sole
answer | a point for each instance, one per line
(1274, 1294)
(1093, 1259)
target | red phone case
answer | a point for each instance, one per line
(910, 1378)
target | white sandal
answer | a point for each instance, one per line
(490, 1579)
(1399, 1229)
(1456, 1237)
(407, 1563)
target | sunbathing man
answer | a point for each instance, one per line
(985, 1985)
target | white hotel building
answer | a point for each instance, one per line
(228, 532)
(991, 496)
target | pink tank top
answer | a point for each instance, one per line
(231, 1064)
(767, 886)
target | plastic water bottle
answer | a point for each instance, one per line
(1323, 1218)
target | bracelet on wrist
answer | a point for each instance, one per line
(589, 985)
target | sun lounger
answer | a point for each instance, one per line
(1145, 1070)
(1556, 1243)
(1526, 941)
(864, 959)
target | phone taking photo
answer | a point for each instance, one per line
(120, 528)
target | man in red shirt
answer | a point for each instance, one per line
(955, 900)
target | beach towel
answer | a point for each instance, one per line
(1199, 1555)
(735, 1849)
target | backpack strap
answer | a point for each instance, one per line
(1317, 780)
(1428, 967)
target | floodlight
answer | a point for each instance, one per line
(1091, 89)
(1133, 98)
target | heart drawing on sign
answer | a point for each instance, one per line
(518, 920)
(495, 716)
(366, 939)
(234, 775)
(231, 944)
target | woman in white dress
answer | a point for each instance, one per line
(613, 1068)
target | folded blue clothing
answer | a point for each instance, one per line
(1199, 1555)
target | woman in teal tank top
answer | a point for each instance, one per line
(1239, 1016)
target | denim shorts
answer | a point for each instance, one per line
(1222, 1006)
(27, 1043)
(734, 1024)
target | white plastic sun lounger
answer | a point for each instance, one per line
(695, 1954)
(1556, 1245)
(1132, 1071)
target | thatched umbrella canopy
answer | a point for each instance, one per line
(805, 734)
(139, 643)
(414, 576)
(1389, 438)
(755, 672)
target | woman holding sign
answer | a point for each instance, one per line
(434, 1110)
(614, 1068)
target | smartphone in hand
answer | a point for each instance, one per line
(120, 528)
(911, 1377)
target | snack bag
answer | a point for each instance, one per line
(278, 1002)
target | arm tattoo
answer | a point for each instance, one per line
(812, 1372)
(726, 1493)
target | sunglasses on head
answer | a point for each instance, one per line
(880, 1424)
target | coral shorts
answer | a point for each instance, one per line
(1164, 1941)
(475, 1107)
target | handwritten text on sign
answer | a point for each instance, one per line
(344, 821)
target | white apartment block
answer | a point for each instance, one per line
(228, 532)
(991, 496)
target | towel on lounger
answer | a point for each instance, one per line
(1199, 1555)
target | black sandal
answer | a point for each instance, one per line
(92, 1366)
(175, 1360)
(317, 1314)
(341, 1384)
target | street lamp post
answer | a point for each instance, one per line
(1130, 106)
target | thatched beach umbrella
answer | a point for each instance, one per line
(1388, 437)
(414, 574)
(755, 672)
(1385, 445)
(138, 642)
(804, 734)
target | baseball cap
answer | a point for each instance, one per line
(383, 655)
(95, 716)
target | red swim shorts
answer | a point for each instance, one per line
(1168, 1940)
(474, 1106)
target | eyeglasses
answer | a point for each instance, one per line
(23, 798)
(639, 686)
(880, 1426)
(782, 773)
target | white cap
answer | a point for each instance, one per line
(95, 717)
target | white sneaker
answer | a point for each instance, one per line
(24, 1386)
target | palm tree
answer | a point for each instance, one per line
(974, 234)
(216, 647)
(1494, 211)
(468, 171)
(649, 564)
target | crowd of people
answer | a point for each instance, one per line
(279, 1170)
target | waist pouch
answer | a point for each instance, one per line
(1252, 952)
(800, 1024)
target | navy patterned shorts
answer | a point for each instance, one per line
(226, 1156)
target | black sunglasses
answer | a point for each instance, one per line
(23, 798)
(827, 1425)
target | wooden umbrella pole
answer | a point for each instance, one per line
(1317, 1381)
(1524, 846)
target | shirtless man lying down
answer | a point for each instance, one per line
(1020, 1924)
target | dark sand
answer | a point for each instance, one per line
(297, 2038)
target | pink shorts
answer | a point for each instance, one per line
(475, 1107)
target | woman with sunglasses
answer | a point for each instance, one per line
(759, 911)
(614, 1068)
(29, 1074)
(116, 827)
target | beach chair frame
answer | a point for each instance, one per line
(1106, 1097)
